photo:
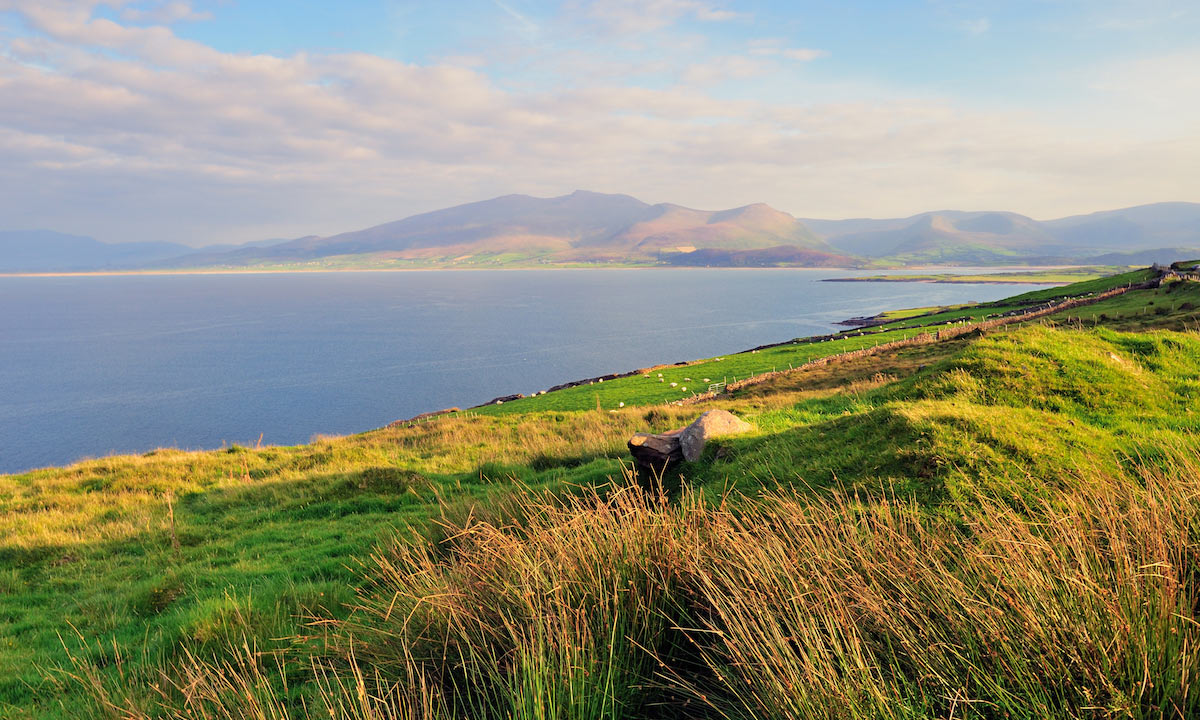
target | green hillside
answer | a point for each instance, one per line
(1000, 524)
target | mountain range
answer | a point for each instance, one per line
(596, 228)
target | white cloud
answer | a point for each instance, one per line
(639, 16)
(804, 54)
(528, 26)
(723, 68)
(146, 135)
(772, 48)
(976, 26)
(164, 13)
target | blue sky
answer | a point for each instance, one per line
(233, 120)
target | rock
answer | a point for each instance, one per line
(654, 453)
(713, 423)
(502, 399)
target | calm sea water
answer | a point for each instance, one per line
(95, 365)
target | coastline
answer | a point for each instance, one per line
(951, 281)
(274, 271)
(302, 271)
(201, 446)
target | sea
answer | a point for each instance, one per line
(96, 365)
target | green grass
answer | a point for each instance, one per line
(501, 568)
(260, 539)
(910, 312)
(655, 385)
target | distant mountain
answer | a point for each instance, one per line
(48, 251)
(1002, 237)
(765, 257)
(589, 227)
(1146, 226)
(580, 227)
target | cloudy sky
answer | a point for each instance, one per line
(236, 120)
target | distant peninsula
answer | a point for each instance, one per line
(1046, 276)
(590, 229)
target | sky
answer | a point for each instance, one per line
(219, 121)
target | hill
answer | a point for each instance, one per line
(48, 251)
(583, 227)
(1002, 519)
(588, 228)
(954, 237)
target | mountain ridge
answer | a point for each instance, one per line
(593, 228)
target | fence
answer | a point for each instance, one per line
(430, 417)
(926, 338)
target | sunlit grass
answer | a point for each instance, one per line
(504, 566)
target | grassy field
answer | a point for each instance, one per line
(678, 382)
(992, 526)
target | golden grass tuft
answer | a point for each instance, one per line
(626, 605)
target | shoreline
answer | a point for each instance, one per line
(159, 273)
(298, 271)
(1057, 283)
(407, 421)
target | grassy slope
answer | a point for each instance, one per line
(654, 386)
(180, 552)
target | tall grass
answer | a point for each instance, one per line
(1079, 605)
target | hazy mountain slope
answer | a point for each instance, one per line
(1159, 225)
(48, 251)
(970, 237)
(611, 228)
(582, 226)
(949, 235)
(1162, 256)
(581, 218)
(782, 255)
(751, 227)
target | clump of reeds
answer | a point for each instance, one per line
(1082, 605)
(555, 618)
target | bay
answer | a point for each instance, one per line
(96, 365)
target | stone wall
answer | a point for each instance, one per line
(926, 338)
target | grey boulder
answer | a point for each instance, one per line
(710, 424)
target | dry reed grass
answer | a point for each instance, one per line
(1079, 605)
